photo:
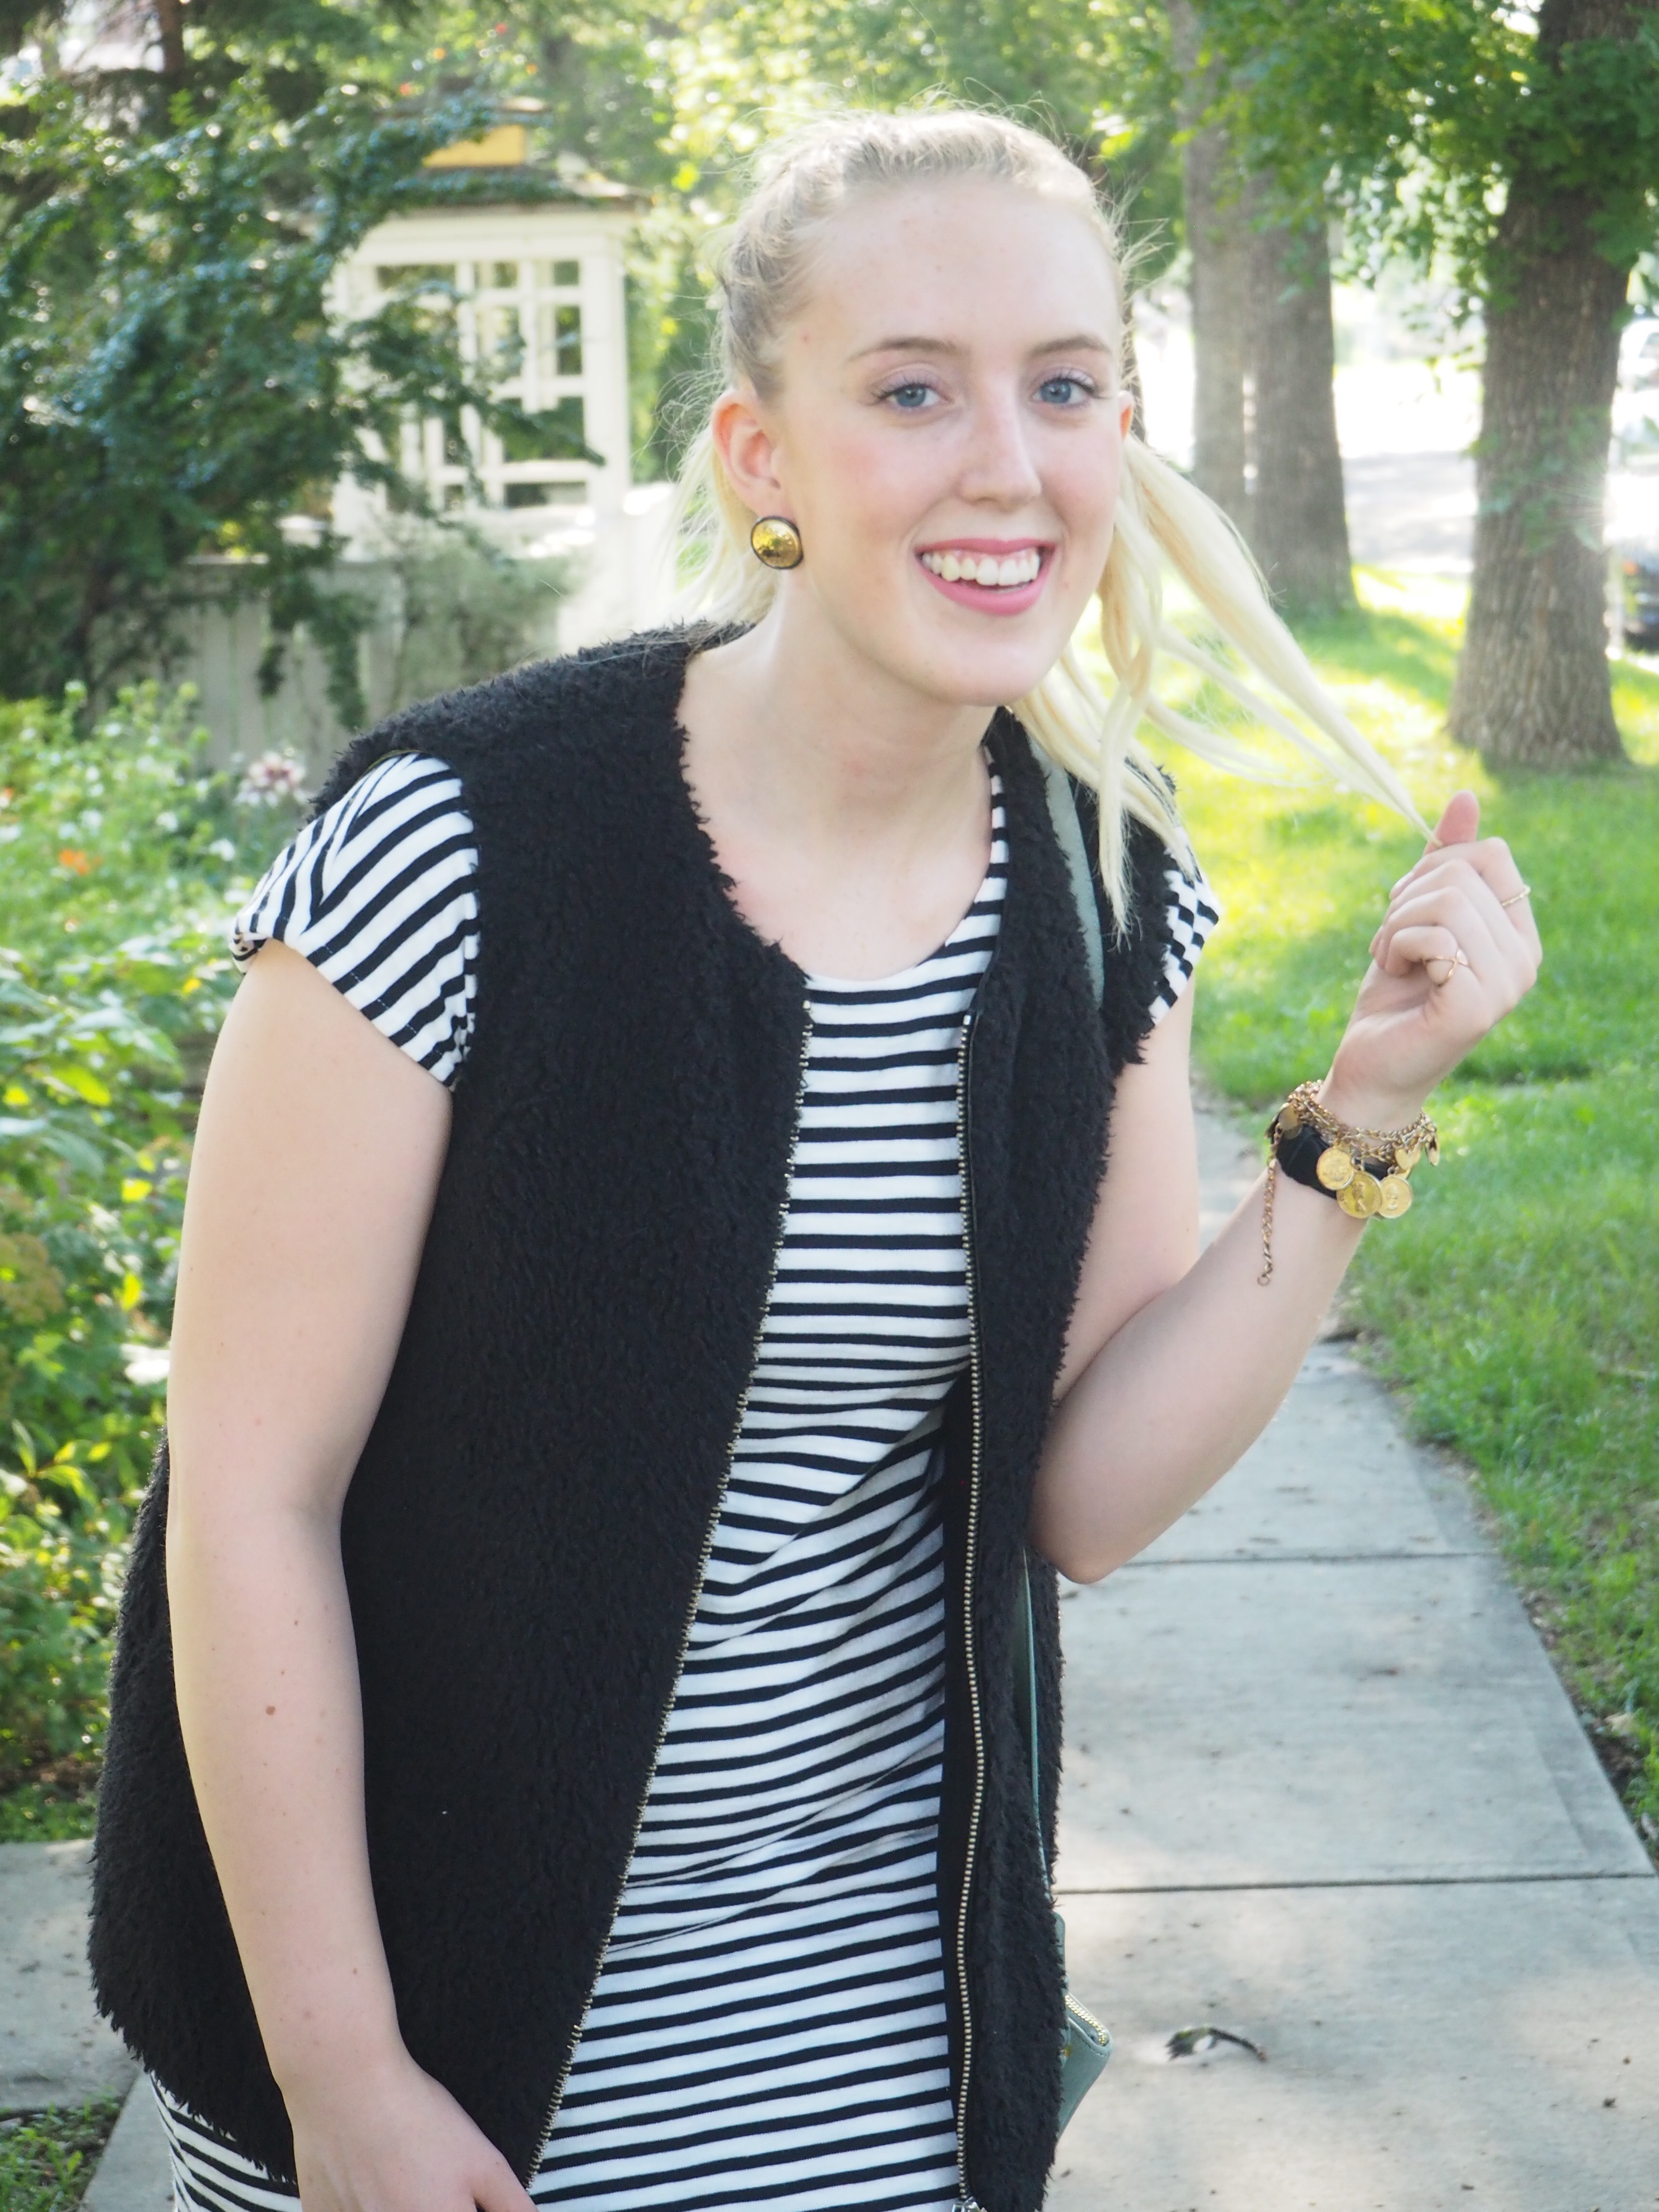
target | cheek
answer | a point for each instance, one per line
(866, 492)
(1084, 484)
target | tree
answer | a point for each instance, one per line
(172, 379)
(1263, 347)
(1218, 280)
(1533, 682)
(1524, 145)
(1298, 521)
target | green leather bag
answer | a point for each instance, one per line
(1088, 2042)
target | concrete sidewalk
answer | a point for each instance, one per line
(1323, 1789)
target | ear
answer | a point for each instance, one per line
(748, 451)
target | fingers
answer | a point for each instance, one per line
(496, 2188)
(1451, 921)
(1487, 872)
(1459, 823)
(1430, 945)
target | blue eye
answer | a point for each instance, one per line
(913, 398)
(1064, 391)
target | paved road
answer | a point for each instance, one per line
(1323, 1789)
(1410, 511)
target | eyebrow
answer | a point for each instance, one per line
(1087, 341)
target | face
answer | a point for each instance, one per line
(946, 433)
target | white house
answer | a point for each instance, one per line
(530, 262)
(536, 285)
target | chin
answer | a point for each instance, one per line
(972, 672)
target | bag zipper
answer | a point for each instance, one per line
(558, 2097)
(965, 2199)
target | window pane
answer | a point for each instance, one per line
(557, 434)
(418, 274)
(500, 343)
(504, 275)
(520, 495)
(559, 341)
(558, 276)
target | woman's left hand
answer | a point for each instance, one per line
(1458, 949)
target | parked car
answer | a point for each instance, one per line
(1633, 489)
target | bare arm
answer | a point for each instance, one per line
(315, 1167)
(1172, 1368)
(1175, 1363)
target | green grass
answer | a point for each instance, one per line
(1517, 1308)
(48, 2158)
(51, 1812)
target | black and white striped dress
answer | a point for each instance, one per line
(768, 2026)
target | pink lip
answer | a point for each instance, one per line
(990, 598)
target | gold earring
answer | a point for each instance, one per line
(777, 542)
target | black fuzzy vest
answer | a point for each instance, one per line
(525, 1532)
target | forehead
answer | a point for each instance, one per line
(963, 259)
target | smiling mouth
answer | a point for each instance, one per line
(1004, 572)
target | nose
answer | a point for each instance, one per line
(997, 467)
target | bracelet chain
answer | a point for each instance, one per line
(1343, 1168)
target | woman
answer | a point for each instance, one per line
(650, 1302)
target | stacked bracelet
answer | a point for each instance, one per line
(1367, 1171)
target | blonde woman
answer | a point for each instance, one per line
(691, 1219)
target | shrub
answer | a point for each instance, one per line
(120, 853)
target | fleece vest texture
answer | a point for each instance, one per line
(524, 1533)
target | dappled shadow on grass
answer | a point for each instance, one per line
(1408, 653)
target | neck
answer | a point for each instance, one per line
(796, 733)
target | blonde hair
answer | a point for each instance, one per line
(765, 272)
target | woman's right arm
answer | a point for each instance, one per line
(312, 1183)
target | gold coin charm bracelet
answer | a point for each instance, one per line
(1367, 1171)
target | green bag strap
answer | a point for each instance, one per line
(1068, 830)
(1025, 1687)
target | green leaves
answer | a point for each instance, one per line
(113, 978)
(173, 379)
(1420, 115)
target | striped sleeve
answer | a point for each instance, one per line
(1193, 915)
(379, 894)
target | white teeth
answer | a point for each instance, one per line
(985, 569)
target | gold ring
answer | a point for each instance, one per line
(1524, 892)
(1453, 961)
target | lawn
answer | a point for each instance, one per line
(1517, 1308)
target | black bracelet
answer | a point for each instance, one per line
(1299, 1156)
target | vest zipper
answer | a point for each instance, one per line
(557, 2098)
(966, 2200)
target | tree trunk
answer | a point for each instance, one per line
(1532, 685)
(170, 25)
(1298, 522)
(1217, 244)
